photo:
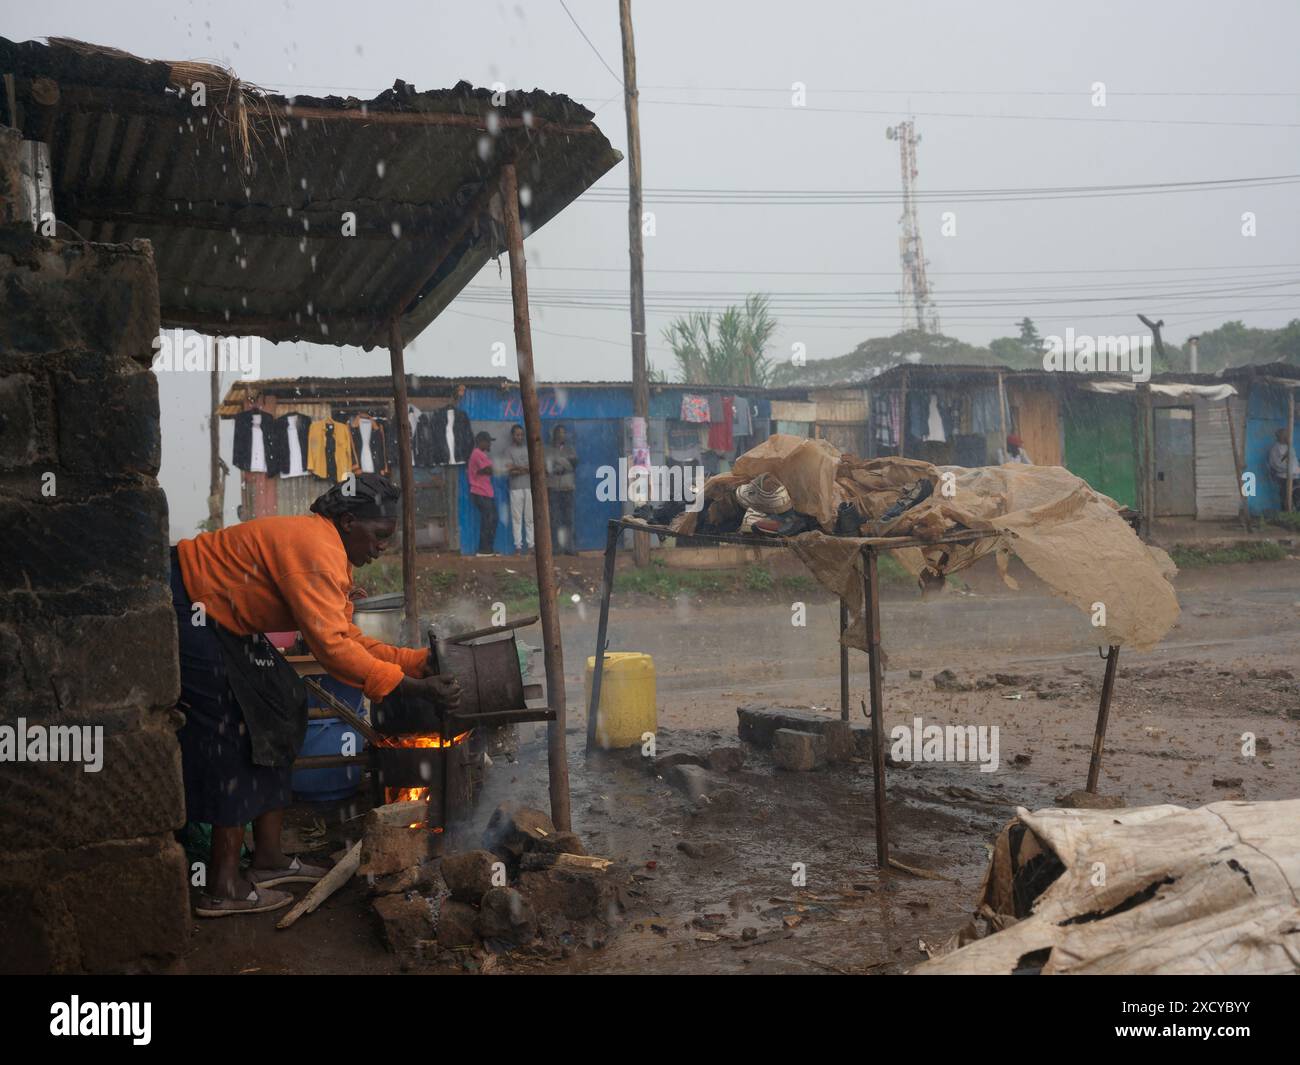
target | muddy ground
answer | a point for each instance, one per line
(1231, 666)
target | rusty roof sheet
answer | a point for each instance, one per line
(256, 246)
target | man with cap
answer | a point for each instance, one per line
(1016, 451)
(482, 492)
(244, 705)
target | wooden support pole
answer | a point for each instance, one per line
(1103, 715)
(407, 472)
(216, 474)
(902, 416)
(844, 662)
(556, 750)
(1238, 464)
(1148, 459)
(612, 534)
(636, 251)
(871, 620)
(1002, 415)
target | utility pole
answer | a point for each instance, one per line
(216, 468)
(636, 252)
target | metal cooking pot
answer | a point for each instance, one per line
(380, 616)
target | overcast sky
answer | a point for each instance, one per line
(1195, 91)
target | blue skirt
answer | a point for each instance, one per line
(222, 785)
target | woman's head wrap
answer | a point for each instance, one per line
(363, 495)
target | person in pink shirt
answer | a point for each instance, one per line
(480, 490)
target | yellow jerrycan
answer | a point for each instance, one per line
(627, 699)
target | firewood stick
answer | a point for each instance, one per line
(344, 870)
(344, 711)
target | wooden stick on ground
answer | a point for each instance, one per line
(343, 871)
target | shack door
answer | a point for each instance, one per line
(1175, 461)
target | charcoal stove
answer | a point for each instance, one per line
(423, 747)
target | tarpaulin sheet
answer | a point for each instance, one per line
(1154, 889)
(1071, 536)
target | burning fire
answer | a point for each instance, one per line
(429, 739)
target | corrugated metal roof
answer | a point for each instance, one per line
(259, 249)
(419, 385)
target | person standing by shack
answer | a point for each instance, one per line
(479, 472)
(245, 706)
(1015, 452)
(561, 462)
(1280, 456)
(521, 491)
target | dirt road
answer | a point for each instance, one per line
(1230, 669)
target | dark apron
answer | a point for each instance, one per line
(270, 693)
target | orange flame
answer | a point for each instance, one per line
(430, 739)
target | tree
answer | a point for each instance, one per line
(1029, 338)
(724, 349)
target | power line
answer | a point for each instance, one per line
(892, 273)
(893, 113)
(969, 92)
(589, 44)
(871, 197)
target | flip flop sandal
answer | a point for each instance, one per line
(263, 901)
(297, 872)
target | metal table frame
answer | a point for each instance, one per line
(871, 547)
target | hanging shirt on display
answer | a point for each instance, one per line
(257, 459)
(329, 450)
(370, 449)
(289, 434)
(450, 437)
(934, 429)
(250, 446)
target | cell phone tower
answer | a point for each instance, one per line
(918, 308)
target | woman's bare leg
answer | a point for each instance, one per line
(266, 841)
(224, 880)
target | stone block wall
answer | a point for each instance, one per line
(91, 879)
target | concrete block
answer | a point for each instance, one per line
(138, 791)
(798, 751)
(469, 874)
(504, 914)
(66, 296)
(404, 920)
(758, 724)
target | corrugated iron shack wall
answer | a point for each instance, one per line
(1267, 410)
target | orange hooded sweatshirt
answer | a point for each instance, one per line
(290, 572)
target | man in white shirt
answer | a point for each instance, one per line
(1278, 456)
(521, 491)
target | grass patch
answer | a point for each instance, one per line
(1197, 557)
(759, 578)
(379, 577)
(1286, 519)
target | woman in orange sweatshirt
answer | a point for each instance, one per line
(244, 705)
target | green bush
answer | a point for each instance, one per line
(1195, 557)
